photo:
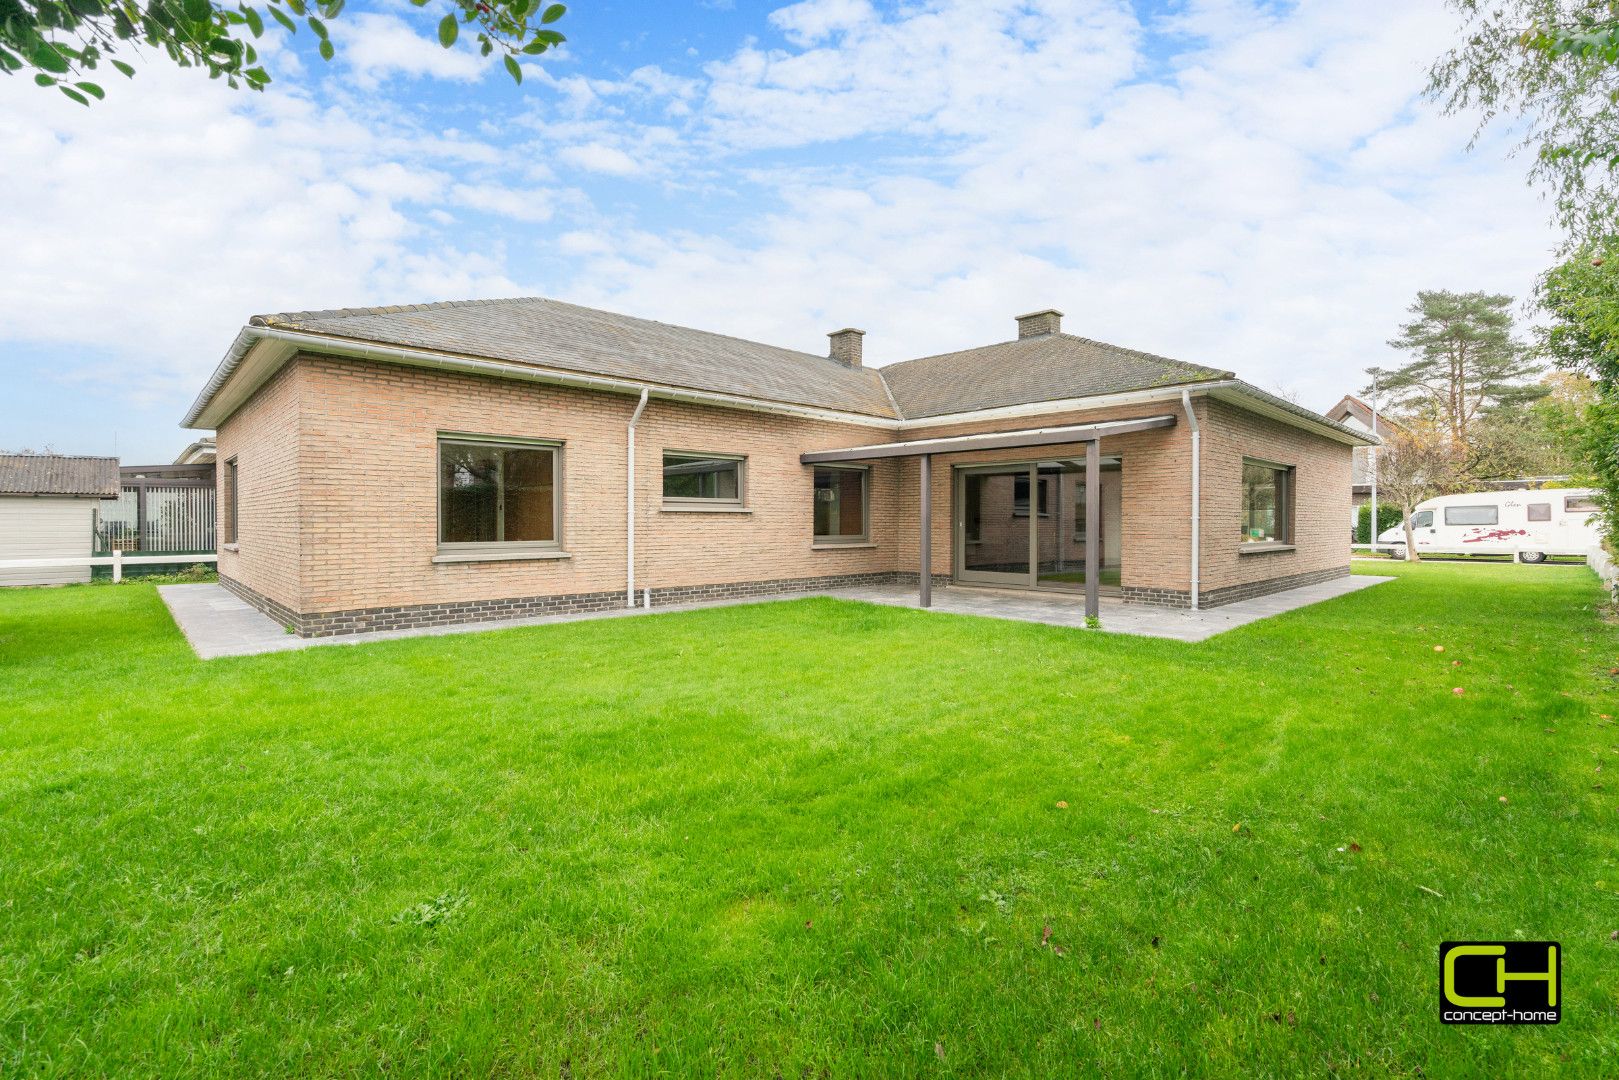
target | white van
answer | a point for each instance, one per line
(1528, 524)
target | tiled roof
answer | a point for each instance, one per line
(57, 474)
(1049, 367)
(551, 334)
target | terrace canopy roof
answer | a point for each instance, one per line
(997, 440)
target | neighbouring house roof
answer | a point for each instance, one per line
(59, 474)
(549, 340)
(1352, 407)
(1050, 367)
(200, 452)
(551, 334)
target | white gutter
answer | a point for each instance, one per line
(629, 502)
(1197, 505)
(363, 350)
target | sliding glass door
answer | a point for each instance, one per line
(993, 541)
(1025, 524)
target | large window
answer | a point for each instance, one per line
(1579, 504)
(700, 479)
(497, 492)
(230, 501)
(840, 504)
(1267, 503)
(1539, 511)
(1471, 515)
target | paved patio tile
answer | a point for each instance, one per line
(217, 623)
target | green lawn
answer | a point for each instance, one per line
(809, 839)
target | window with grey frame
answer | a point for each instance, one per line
(494, 493)
(1267, 503)
(698, 480)
(842, 504)
(231, 482)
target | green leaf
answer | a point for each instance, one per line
(43, 79)
(448, 31)
(326, 50)
(553, 13)
(281, 17)
(518, 9)
(93, 90)
(535, 48)
(198, 10)
(550, 37)
(516, 71)
(297, 7)
(49, 57)
(128, 72)
(332, 8)
(318, 27)
(74, 94)
(255, 22)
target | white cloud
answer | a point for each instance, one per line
(1241, 184)
(599, 158)
(376, 46)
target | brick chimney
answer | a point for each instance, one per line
(1039, 323)
(846, 346)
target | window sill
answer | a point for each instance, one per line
(852, 545)
(1265, 549)
(498, 556)
(230, 547)
(677, 508)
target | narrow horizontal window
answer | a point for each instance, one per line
(841, 499)
(705, 477)
(1579, 504)
(1471, 515)
(497, 493)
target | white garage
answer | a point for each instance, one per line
(47, 511)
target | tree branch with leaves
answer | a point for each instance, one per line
(63, 42)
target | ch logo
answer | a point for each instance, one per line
(1499, 982)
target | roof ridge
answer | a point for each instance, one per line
(70, 457)
(387, 309)
(1155, 357)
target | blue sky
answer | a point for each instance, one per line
(1250, 185)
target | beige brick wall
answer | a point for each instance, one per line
(338, 460)
(363, 494)
(1320, 497)
(263, 437)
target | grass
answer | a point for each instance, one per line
(810, 838)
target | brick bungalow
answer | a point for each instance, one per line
(383, 467)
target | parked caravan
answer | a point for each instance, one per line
(1528, 524)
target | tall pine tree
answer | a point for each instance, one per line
(1465, 362)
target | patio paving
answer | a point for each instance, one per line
(217, 623)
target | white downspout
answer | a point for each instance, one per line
(629, 502)
(1197, 480)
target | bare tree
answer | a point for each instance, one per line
(1417, 461)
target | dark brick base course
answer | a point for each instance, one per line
(1231, 593)
(362, 620)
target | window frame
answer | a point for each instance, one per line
(1285, 499)
(1544, 509)
(865, 506)
(1418, 523)
(501, 442)
(1590, 507)
(1494, 510)
(699, 502)
(233, 486)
